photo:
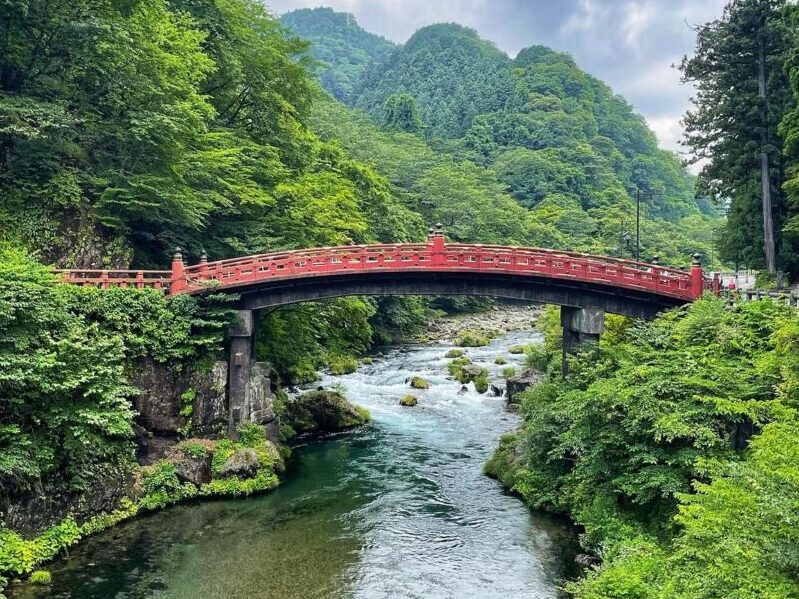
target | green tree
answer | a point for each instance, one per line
(743, 94)
(400, 114)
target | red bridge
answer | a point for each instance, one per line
(338, 268)
(585, 286)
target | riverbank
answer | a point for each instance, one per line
(499, 319)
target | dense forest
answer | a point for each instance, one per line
(128, 128)
(463, 133)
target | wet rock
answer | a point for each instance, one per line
(497, 390)
(586, 561)
(464, 389)
(521, 382)
(472, 370)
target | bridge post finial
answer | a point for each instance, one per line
(203, 266)
(177, 281)
(656, 260)
(697, 277)
(438, 241)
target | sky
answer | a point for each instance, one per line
(629, 44)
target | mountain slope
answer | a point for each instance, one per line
(536, 128)
(453, 74)
(344, 49)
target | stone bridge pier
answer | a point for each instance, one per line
(249, 392)
(581, 327)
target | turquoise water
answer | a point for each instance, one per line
(397, 509)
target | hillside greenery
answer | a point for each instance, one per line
(670, 444)
(535, 129)
(343, 50)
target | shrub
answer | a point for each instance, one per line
(340, 365)
(454, 353)
(516, 349)
(41, 577)
(536, 357)
(500, 361)
(508, 372)
(481, 382)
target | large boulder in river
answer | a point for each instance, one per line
(521, 382)
(323, 411)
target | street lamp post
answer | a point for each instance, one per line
(638, 225)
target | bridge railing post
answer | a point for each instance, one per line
(697, 277)
(436, 240)
(177, 280)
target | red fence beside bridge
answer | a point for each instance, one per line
(435, 255)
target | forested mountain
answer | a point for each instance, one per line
(342, 48)
(452, 73)
(536, 129)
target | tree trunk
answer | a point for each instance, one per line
(765, 176)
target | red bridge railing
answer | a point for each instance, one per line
(435, 255)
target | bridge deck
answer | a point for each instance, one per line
(434, 256)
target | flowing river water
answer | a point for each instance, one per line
(398, 509)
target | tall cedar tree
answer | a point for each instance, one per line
(734, 125)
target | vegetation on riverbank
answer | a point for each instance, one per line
(672, 446)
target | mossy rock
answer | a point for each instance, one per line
(500, 361)
(454, 353)
(343, 365)
(367, 361)
(323, 411)
(472, 338)
(409, 401)
(418, 382)
(41, 578)
(516, 349)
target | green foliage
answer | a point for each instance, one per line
(481, 381)
(536, 356)
(500, 361)
(454, 353)
(455, 368)
(472, 338)
(345, 52)
(66, 412)
(727, 130)
(508, 372)
(408, 401)
(343, 365)
(41, 578)
(418, 382)
(401, 114)
(648, 444)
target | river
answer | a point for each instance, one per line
(398, 509)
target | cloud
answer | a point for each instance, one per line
(629, 44)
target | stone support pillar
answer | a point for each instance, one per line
(581, 326)
(240, 365)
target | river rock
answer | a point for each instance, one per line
(472, 370)
(521, 382)
(244, 463)
(586, 561)
(409, 401)
(497, 389)
(194, 469)
(323, 411)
